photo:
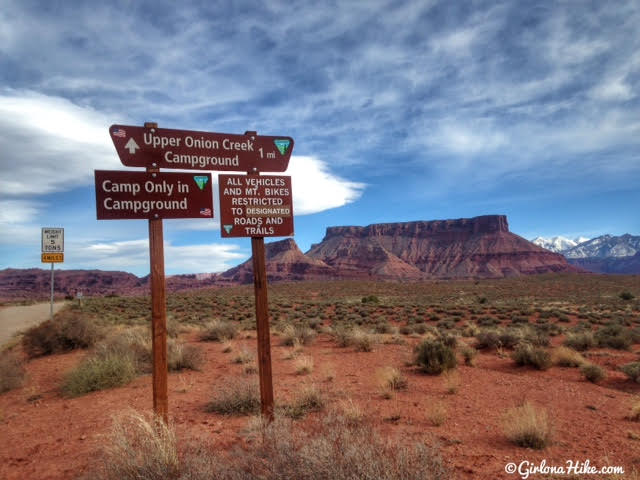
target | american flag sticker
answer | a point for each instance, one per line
(205, 212)
(119, 132)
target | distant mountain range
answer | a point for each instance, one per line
(603, 254)
(479, 247)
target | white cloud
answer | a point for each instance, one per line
(49, 144)
(133, 256)
(316, 189)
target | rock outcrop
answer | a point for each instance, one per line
(35, 283)
(284, 261)
(468, 247)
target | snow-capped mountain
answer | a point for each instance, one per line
(558, 244)
(605, 246)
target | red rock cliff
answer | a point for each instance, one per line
(466, 247)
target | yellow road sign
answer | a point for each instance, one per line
(52, 257)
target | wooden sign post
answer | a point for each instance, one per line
(262, 326)
(256, 206)
(158, 312)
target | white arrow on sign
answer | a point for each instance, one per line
(132, 146)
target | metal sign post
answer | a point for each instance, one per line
(52, 252)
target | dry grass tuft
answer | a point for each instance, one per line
(389, 380)
(307, 400)
(437, 413)
(236, 397)
(527, 426)
(452, 381)
(139, 447)
(304, 365)
(567, 357)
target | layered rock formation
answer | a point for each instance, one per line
(284, 261)
(467, 247)
(35, 283)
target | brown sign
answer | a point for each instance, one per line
(188, 150)
(255, 206)
(124, 195)
(52, 257)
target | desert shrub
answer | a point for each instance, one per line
(626, 296)
(528, 355)
(244, 356)
(613, 336)
(333, 448)
(99, 373)
(468, 354)
(307, 400)
(452, 381)
(508, 339)
(236, 397)
(219, 331)
(370, 299)
(390, 379)
(362, 341)
(12, 372)
(580, 341)
(138, 447)
(434, 357)
(527, 426)
(300, 334)
(631, 370)
(66, 332)
(436, 413)
(304, 365)
(134, 342)
(182, 356)
(488, 339)
(567, 357)
(593, 373)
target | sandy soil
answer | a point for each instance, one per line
(15, 319)
(46, 436)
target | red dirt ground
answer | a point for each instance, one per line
(46, 436)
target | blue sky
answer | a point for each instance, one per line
(400, 111)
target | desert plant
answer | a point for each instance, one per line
(627, 296)
(614, 336)
(243, 356)
(138, 447)
(389, 379)
(308, 399)
(183, 356)
(436, 413)
(593, 373)
(566, 357)
(12, 372)
(580, 341)
(362, 341)
(370, 299)
(304, 365)
(451, 381)
(219, 331)
(527, 426)
(468, 354)
(434, 357)
(99, 373)
(66, 332)
(488, 339)
(298, 334)
(236, 397)
(631, 370)
(528, 355)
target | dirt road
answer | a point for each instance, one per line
(15, 319)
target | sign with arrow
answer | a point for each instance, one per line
(190, 150)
